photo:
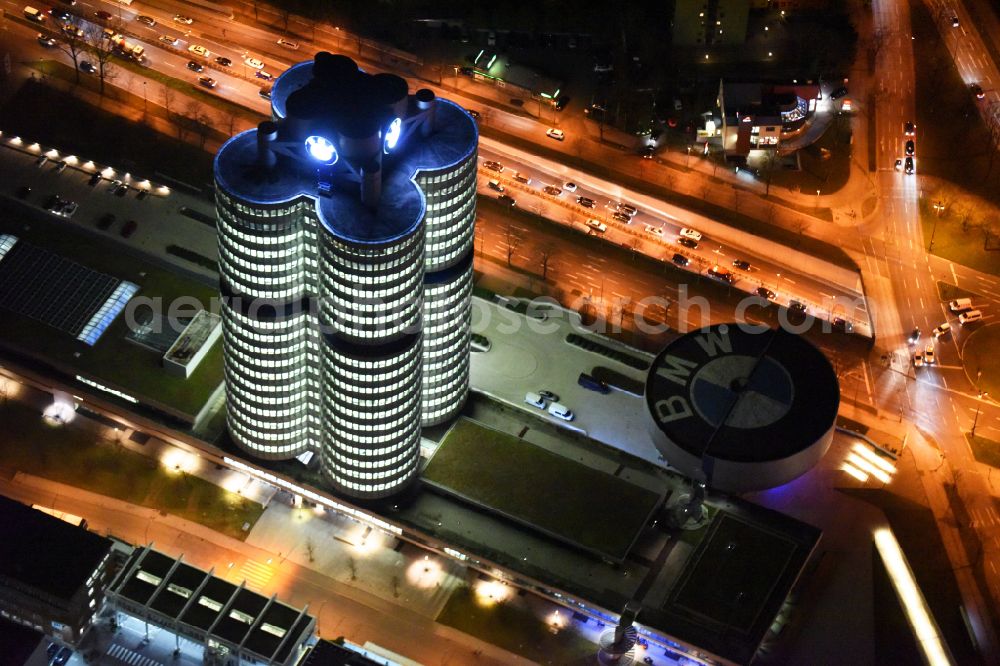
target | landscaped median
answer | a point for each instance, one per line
(547, 492)
(981, 357)
(79, 457)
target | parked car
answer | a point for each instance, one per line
(680, 259)
(623, 218)
(94, 179)
(493, 166)
(561, 411)
(586, 202)
(121, 190)
(690, 233)
(689, 243)
(261, 74)
(943, 329)
(553, 191)
(199, 50)
(534, 400)
(167, 39)
(556, 134)
(288, 44)
(549, 395)
(253, 63)
(960, 305)
(655, 231)
(521, 178)
(899, 164)
(146, 20)
(628, 209)
(180, 18)
(969, 317)
(129, 228)
(223, 61)
(570, 187)
(597, 225)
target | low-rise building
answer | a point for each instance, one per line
(52, 573)
(491, 67)
(754, 116)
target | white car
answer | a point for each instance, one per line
(556, 134)
(198, 49)
(167, 39)
(597, 225)
(534, 400)
(656, 231)
(918, 359)
(570, 187)
(942, 330)
(691, 233)
(561, 411)
(253, 62)
(288, 44)
(929, 354)
(180, 18)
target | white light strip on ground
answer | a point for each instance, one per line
(875, 458)
(855, 472)
(863, 464)
(924, 628)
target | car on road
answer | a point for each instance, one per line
(690, 233)
(46, 41)
(200, 50)
(493, 166)
(628, 209)
(180, 18)
(168, 40)
(556, 134)
(553, 191)
(722, 274)
(597, 225)
(680, 259)
(586, 202)
(506, 199)
(688, 242)
(910, 148)
(764, 292)
(265, 92)
(146, 20)
(648, 152)
(742, 264)
(929, 354)
(914, 336)
(797, 307)
(223, 61)
(839, 92)
(918, 359)
(195, 66)
(60, 14)
(909, 129)
(253, 63)
(549, 395)
(288, 44)
(899, 164)
(62, 657)
(495, 185)
(943, 329)
(570, 187)
(954, 22)
(475, 114)
(103, 15)
(842, 325)
(561, 411)
(908, 165)
(977, 90)
(88, 67)
(129, 228)
(520, 177)
(261, 74)
(621, 217)
(105, 221)
(206, 81)
(656, 231)
(534, 400)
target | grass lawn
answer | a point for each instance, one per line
(952, 140)
(38, 112)
(949, 292)
(75, 456)
(515, 628)
(980, 354)
(573, 502)
(132, 368)
(951, 242)
(986, 451)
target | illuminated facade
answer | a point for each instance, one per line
(345, 242)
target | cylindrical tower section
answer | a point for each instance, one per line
(450, 229)
(370, 318)
(270, 379)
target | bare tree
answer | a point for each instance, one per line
(513, 240)
(769, 162)
(73, 43)
(168, 98)
(101, 47)
(545, 255)
(801, 226)
(310, 550)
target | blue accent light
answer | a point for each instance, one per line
(321, 150)
(392, 134)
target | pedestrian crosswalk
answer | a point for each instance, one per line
(255, 574)
(122, 655)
